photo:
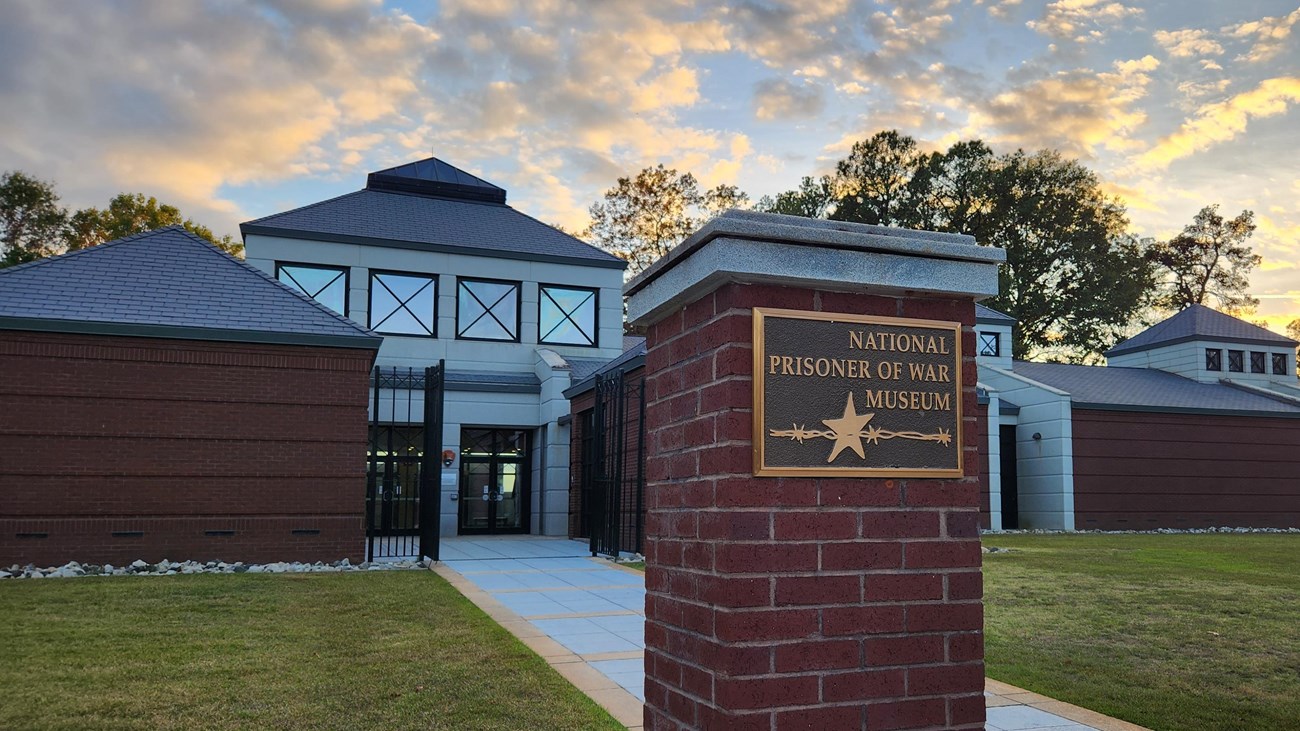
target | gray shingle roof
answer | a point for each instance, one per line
(987, 314)
(427, 215)
(1198, 322)
(1146, 388)
(167, 283)
(630, 359)
(580, 368)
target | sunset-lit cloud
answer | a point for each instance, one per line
(1268, 36)
(1082, 20)
(234, 109)
(1222, 121)
(1188, 43)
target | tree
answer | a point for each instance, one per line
(134, 213)
(812, 199)
(871, 185)
(1074, 277)
(1208, 263)
(642, 218)
(950, 189)
(31, 220)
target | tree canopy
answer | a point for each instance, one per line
(1074, 277)
(134, 213)
(31, 220)
(642, 217)
(33, 225)
(1208, 263)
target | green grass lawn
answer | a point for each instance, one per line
(383, 650)
(1192, 632)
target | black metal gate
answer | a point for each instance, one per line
(404, 463)
(615, 469)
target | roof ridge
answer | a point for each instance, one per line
(301, 208)
(92, 248)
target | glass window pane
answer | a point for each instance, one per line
(326, 285)
(487, 310)
(1213, 359)
(1256, 362)
(1236, 361)
(989, 344)
(1279, 364)
(402, 304)
(567, 316)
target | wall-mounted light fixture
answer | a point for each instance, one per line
(1038, 437)
(448, 457)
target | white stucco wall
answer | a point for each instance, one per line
(994, 450)
(1045, 465)
(1003, 359)
(1188, 360)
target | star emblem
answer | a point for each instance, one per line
(848, 430)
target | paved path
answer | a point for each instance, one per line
(586, 618)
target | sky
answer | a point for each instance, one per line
(235, 109)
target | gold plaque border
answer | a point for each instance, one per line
(759, 434)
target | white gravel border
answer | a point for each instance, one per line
(72, 569)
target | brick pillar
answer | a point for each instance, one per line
(799, 603)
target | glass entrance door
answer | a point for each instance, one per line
(494, 481)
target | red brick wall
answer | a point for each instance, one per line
(174, 439)
(578, 405)
(777, 603)
(1139, 471)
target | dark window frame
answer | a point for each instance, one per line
(1214, 359)
(997, 344)
(595, 325)
(1257, 362)
(519, 309)
(347, 281)
(1236, 361)
(370, 304)
(1280, 364)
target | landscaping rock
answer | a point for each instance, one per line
(165, 567)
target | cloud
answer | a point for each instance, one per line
(1000, 9)
(1193, 91)
(790, 33)
(1079, 20)
(1223, 121)
(779, 99)
(1188, 43)
(178, 103)
(1077, 112)
(1269, 35)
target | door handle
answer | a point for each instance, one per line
(486, 495)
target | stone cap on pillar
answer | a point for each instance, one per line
(772, 248)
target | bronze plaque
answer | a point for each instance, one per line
(856, 396)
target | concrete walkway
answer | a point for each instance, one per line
(586, 618)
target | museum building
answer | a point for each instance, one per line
(434, 260)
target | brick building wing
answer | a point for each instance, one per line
(162, 399)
